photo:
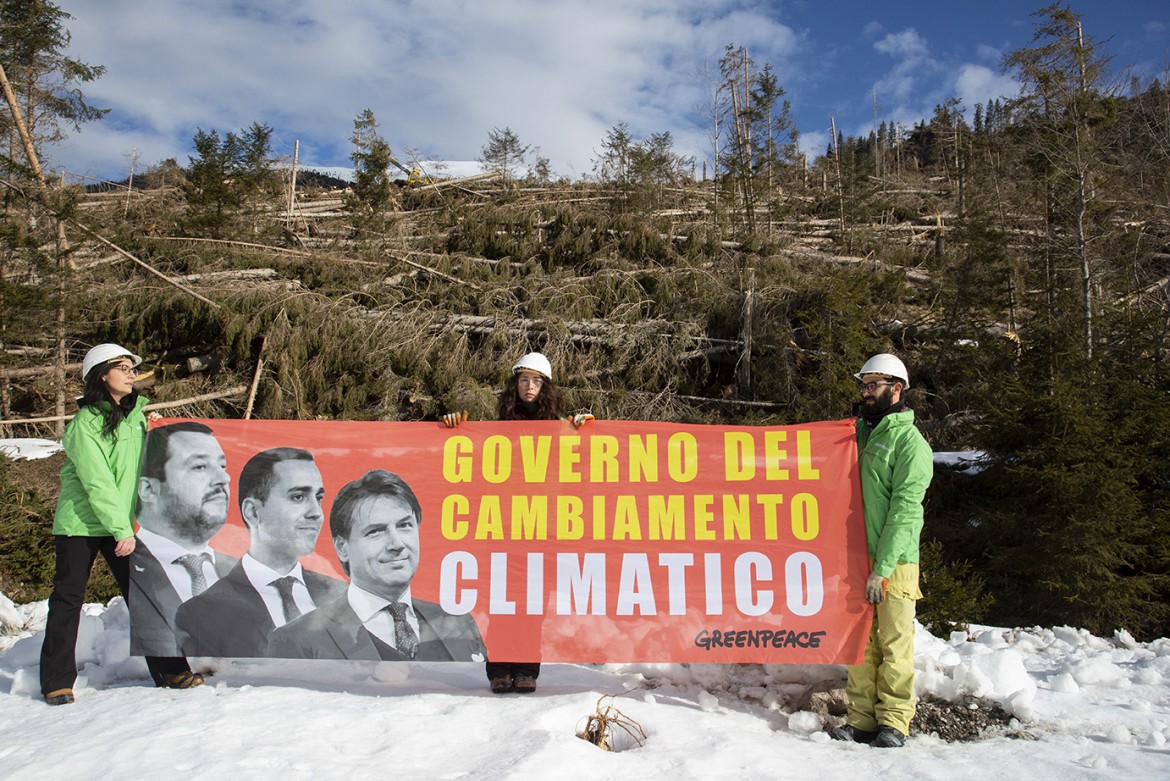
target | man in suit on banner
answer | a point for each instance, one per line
(375, 527)
(279, 494)
(183, 494)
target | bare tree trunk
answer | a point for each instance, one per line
(1082, 240)
(1050, 235)
(234, 390)
(745, 360)
(897, 151)
(747, 121)
(959, 167)
(840, 184)
(715, 169)
(1084, 192)
(255, 379)
(26, 140)
(21, 128)
(292, 189)
(144, 265)
(130, 183)
(741, 135)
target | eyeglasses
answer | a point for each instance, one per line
(535, 382)
(870, 387)
(128, 370)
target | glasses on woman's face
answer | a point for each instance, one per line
(531, 382)
(125, 368)
(870, 387)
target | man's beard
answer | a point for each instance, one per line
(881, 402)
(202, 525)
(199, 523)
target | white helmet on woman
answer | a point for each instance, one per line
(103, 353)
(889, 365)
(534, 362)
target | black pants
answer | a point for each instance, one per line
(496, 669)
(75, 558)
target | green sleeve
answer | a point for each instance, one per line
(913, 469)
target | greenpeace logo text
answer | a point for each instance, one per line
(757, 638)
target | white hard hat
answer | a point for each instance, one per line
(534, 362)
(103, 353)
(889, 365)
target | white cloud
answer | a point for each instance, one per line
(912, 65)
(918, 82)
(439, 76)
(989, 54)
(906, 45)
(813, 144)
(978, 84)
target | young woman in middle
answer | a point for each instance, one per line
(529, 394)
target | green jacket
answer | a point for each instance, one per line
(100, 478)
(896, 466)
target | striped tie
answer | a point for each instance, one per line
(193, 563)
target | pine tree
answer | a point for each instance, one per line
(33, 42)
(370, 192)
(503, 154)
(209, 189)
(775, 148)
(255, 170)
(225, 174)
(612, 164)
(1072, 518)
(1061, 109)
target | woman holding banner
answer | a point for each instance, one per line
(529, 394)
(95, 511)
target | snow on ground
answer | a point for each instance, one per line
(28, 449)
(1084, 707)
(1087, 708)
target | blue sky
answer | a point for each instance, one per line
(440, 74)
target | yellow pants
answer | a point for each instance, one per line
(881, 688)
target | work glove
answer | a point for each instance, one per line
(453, 419)
(580, 419)
(875, 588)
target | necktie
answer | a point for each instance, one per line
(193, 563)
(404, 637)
(287, 603)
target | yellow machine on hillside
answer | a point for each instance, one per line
(414, 176)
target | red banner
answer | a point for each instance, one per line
(619, 542)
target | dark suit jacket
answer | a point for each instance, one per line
(153, 603)
(333, 631)
(230, 618)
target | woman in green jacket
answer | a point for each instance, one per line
(95, 511)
